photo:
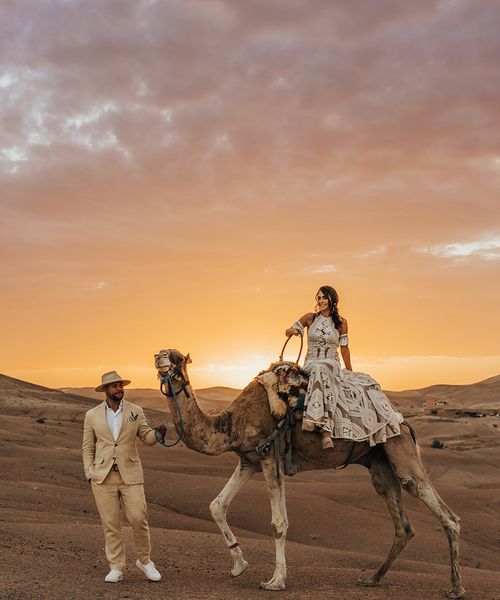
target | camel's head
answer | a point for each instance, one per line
(172, 363)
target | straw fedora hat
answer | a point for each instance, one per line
(110, 377)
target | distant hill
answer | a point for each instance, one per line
(482, 394)
(19, 397)
(212, 399)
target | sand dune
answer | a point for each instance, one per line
(52, 546)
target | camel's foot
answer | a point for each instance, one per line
(276, 584)
(455, 594)
(238, 567)
(368, 582)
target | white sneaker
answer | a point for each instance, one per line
(114, 576)
(149, 570)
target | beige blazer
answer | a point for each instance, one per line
(100, 449)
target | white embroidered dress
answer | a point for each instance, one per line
(347, 404)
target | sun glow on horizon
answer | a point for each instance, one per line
(393, 373)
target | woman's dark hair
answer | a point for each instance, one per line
(333, 298)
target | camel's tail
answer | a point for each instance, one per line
(412, 431)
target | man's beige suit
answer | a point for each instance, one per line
(122, 488)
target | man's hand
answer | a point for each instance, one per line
(162, 430)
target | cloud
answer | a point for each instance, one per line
(142, 69)
(182, 105)
(324, 269)
(175, 149)
(485, 249)
(372, 252)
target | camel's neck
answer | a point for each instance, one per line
(201, 432)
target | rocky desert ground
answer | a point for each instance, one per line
(51, 541)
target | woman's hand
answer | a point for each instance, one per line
(291, 331)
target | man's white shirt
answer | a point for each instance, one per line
(114, 419)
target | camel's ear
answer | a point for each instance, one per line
(187, 358)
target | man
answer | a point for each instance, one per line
(113, 468)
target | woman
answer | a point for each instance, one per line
(339, 402)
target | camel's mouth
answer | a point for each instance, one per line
(163, 363)
(162, 371)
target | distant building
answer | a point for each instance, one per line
(443, 409)
(432, 406)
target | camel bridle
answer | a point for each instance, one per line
(170, 378)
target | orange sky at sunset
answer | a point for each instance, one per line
(185, 174)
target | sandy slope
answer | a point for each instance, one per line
(483, 394)
(51, 542)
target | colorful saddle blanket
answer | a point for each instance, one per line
(286, 385)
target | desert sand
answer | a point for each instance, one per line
(52, 544)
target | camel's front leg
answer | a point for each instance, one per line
(276, 489)
(219, 506)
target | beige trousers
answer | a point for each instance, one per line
(110, 496)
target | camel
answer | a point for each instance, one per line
(248, 420)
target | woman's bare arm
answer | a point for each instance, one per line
(344, 345)
(305, 321)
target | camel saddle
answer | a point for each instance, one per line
(286, 386)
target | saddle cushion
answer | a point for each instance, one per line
(286, 385)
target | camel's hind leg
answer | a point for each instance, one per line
(404, 456)
(219, 506)
(276, 489)
(385, 483)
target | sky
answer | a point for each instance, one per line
(186, 174)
